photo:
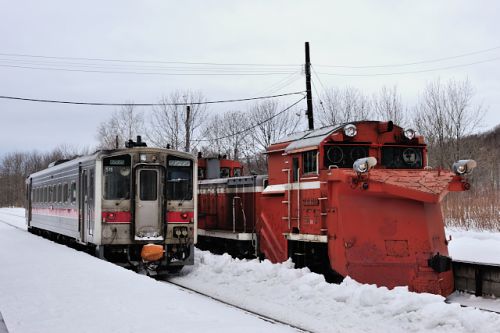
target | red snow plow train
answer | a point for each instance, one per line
(352, 200)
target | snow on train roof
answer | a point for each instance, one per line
(308, 138)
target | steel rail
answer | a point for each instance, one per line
(255, 313)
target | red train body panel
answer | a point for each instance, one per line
(326, 204)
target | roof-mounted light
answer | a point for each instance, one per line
(463, 167)
(364, 165)
(409, 133)
(350, 130)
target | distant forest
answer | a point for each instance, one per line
(444, 114)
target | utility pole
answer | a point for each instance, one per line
(188, 128)
(309, 112)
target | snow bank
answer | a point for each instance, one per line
(47, 287)
(475, 246)
(305, 299)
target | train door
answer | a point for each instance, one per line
(90, 202)
(86, 203)
(29, 201)
(83, 203)
(148, 198)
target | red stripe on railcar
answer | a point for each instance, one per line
(116, 217)
(180, 217)
(56, 212)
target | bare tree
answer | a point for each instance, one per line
(343, 105)
(227, 134)
(269, 124)
(388, 105)
(444, 115)
(172, 125)
(123, 125)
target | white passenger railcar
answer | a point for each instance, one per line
(136, 205)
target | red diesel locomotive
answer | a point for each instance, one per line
(356, 199)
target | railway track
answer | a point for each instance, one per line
(255, 313)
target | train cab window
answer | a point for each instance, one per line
(343, 156)
(73, 193)
(65, 193)
(309, 164)
(402, 157)
(116, 177)
(224, 172)
(237, 172)
(179, 179)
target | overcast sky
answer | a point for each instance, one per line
(351, 33)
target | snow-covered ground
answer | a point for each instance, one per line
(46, 287)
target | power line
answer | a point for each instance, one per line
(112, 66)
(254, 126)
(246, 64)
(148, 104)
(417, 71)
(417, 62)
(148, 73)
(143, 61)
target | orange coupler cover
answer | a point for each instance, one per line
(152, 252)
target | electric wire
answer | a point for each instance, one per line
(149, 73)
(412, 72)
(149, 104)
(254, 126)
(144, 61)
(272, 87)
(416, 62)
(128, 61)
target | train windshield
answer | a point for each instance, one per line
(344, 156)
(402, 157)
(116, 177)
(179, 179)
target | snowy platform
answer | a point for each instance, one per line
(46, 287)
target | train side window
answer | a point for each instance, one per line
(224, 172)
(237, 172)
(309, 159)
(295, 165)
(65, 193)
(73, 193)
(59, 193)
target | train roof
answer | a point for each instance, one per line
(98, 154)
(310, 139)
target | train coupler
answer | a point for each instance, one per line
(439, 263)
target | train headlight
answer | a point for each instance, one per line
(178, 232)
(143, 157)
(184, 232)
(463, 167)
(409, 133)
(350, 130)
(364, 165)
